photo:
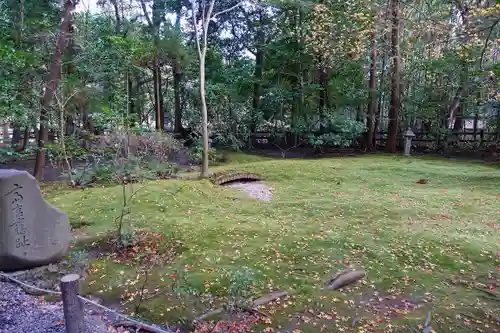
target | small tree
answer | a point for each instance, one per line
(206, 10)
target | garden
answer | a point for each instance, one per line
(425, 231)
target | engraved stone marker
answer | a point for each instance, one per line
(32, 232)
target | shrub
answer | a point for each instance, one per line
(339, 131)
(73, 151)
(118, 158)
(196, 153)
(6, 153)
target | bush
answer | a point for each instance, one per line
(73, 151)
(196, 153)
(339, 131)
(118, 158)
(7, 153)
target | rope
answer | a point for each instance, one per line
(45, 291)
(52, 292)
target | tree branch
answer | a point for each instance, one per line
(144, 9)
(486, 44)
(227, 10)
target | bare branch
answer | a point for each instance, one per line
(227, 10)
(70, 97)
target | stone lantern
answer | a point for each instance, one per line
(409, 135)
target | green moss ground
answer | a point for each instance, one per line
(368, 211)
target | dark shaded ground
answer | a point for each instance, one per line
(487, 155)
(53, 173)
(50, 173)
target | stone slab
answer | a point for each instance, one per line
(33, 233)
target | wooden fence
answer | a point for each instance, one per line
(268, 140)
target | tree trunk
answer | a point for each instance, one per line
(159, 117)
(26, 138)
(178, 75)
(88, 129)
(50, 87)
(257, 76)
(462, 90)
(323, 92)
(204, 116)
(476, 120)
(51, 135)
(392, 129)
(69, 125)
(372, 96)
(177, 99)
(380, 100)
(459, 121)
(132, 94)
(16, 135)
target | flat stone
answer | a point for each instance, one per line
(33, 233)
(269, 298)
(344, 278)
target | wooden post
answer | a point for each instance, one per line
(72, 305)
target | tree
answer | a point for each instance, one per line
(392, 130)
(201, 40)
(372, 92)
(51, 85)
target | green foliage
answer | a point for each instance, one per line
(7, 153)
(337, 131)
(197, 152)
(241, 283)
(128, 158)
(308, 51)
(73, 150)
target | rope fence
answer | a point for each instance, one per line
(73, 306)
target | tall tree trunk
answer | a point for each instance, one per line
(158, 11)
(459, 121)
(372, 96)
(159, 117)
(454, 105)
(178, 76)
(88, 129)
(16, 135)
(462, 90)
(380, 99)
(257, 76)
(207, 16)
(26, 138)
(323, 92)
(392, 130)
(476, 120)
(204, 116)
(117, 16)
(69, 125)
(133, 111)
(177, 99)
(50, 87)
(52, 135)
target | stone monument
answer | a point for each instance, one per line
(32, 232)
